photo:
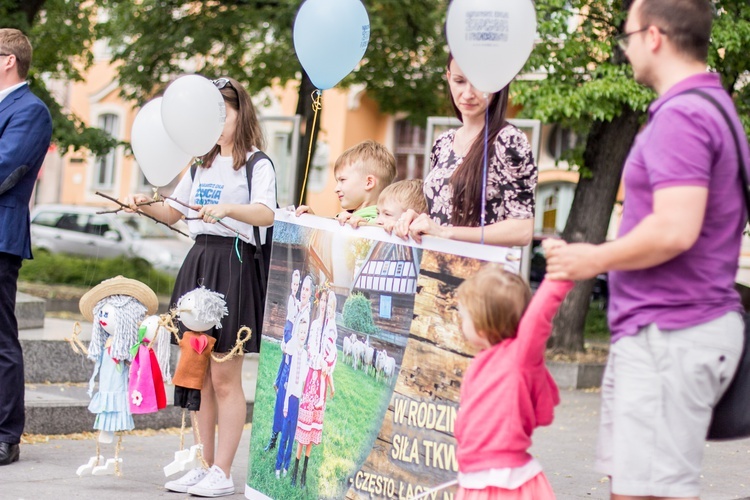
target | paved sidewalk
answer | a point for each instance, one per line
(566, 449)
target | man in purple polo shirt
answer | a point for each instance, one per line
(677, 331)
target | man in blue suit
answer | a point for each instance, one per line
(25, 132)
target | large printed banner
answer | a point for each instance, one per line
(357, 393)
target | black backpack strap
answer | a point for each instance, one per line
(249, 166)
(735, 136)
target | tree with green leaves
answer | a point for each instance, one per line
(587, 85)
(62, 33)
(154, 41)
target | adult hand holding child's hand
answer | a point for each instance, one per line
(576, 261)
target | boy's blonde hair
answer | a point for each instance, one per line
(375, 160)
(409, 194)
(495, 300)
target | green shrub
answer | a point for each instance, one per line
(62, 269)
(357, 314)
(596, 327)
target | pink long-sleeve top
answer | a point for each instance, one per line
(507, 390)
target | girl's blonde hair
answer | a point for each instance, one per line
(495, 300)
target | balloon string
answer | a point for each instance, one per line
(316, 105)
(484, 168)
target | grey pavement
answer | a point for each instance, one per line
(565, 449)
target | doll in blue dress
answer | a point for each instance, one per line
(116, 307)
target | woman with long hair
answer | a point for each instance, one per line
(222, 261)
(454, 186)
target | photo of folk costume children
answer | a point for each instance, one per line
(281, 382)
(298, 369)
(292, 308)
(329, 354)
(322, 352)
(361, 173)
(507, 390)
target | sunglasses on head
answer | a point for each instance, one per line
(222, 82)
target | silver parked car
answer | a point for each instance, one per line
(79, 230)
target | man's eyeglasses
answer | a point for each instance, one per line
(623, 39)
(1, 55)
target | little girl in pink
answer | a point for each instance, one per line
(507, 390)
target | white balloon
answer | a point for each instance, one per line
(194, 113)
(160, 159)
(491, 40)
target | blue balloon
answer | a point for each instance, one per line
(330, 38)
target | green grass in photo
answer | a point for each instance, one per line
(352, 421)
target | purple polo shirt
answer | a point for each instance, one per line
(685, 143)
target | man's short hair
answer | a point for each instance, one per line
(409, 194)
(13, 41)
(374, 159)
(687, 23)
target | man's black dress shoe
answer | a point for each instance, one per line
(9, 453)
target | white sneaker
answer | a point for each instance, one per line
(192, 478)
(215, 484)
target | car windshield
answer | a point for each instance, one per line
(146, 228)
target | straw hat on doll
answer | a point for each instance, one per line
(119, 285)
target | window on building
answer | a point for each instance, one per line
(104, 170)
(409, 150)
(549, 219)
(318, 176)
(560, 141)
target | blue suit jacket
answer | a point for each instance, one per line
(25, 132)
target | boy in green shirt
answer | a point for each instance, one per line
(361, 172)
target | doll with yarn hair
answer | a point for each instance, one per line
(199, 311)
(150, 366)
(116, 308)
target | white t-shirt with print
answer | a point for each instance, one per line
(223, 184)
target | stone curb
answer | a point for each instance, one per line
(72, 418)
(576, 375)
